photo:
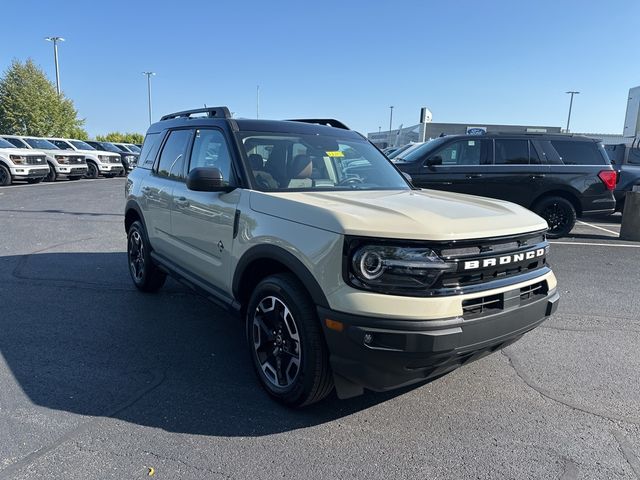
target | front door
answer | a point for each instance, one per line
(202, 222)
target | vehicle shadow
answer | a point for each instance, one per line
(78, 337)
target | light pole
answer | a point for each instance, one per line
(149, 74)
(390, 122)
(55, 41)
(572, 93)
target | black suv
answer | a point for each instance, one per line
(129, 160)
(626, 160)
(560, 177)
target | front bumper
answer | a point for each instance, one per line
(72, 170)
(112, 168)
(22, 173)
(382, 354)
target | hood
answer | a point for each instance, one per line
(406, 214)
(22, 151)
(91, 153)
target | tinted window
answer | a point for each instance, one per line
(171, 162)
(534, 158)
(512, 152)
(81, 145)
(578, 153)
(419, 152)
(210, 150)
(61, 144)
(41, 144)
(17, 142)
(149, 150)
(5, 144)
(465, 152)
(634, 156)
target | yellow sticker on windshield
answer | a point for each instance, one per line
(335, 154)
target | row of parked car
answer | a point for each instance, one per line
(561, 177)
(36, 159)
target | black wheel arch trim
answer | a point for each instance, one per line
(278, 254)
(132, 205)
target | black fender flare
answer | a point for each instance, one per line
(280, 255)
(133, 205)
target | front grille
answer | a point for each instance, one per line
(77, 160)
(532, 292)
(482, 306)
(114, 160)
(35, 160)
(77, 170)
(482, 261)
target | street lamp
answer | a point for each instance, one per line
(572, 93)
(149, 74)
(55, 41)
(390, 121)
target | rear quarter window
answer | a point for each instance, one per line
(149, 150)
(579, 153)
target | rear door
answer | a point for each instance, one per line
(457, 166)
(157, 190)
(202, 222)
(518, 173)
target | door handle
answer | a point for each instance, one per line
(537, 176)
(181, 202)
(474, 175)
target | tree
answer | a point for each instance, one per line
(121, 137)
(29, 104)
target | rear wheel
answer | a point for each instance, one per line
(5, 176)
(52, 175)
(92, 170)
(287, 345)
(559, 213)
(145, 274)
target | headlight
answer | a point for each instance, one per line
(395, 269)
(103, 158)
(61, 159)
(130, 158)
(18, 159)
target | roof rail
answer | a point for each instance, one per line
(328, 122)
(212, 112)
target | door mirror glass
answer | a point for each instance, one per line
(207, 179)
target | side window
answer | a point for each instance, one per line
(149, 150)
(466, 152)
(171, 162)
(210, 150)
(512, 152)
(578, 153)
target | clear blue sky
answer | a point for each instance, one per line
(500, 61)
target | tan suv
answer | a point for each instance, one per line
(345, 275)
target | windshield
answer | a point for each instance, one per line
(418, 152)
(400, 150)
(313, 162)
(110, 147)
(5, 144)
(134, 148)
(121, 147)
(80, 145)
(40, 143)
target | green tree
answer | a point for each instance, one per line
(29, 104)
(121, 137)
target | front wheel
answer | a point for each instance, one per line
(5, 176)
(559, 213)
(145, 274)
(92, 170)
(52, 175)
(286, 342)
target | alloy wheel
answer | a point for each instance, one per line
(136, 255)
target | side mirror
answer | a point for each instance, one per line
(433, 161)
(207, 179)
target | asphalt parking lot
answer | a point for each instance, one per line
(100, 381)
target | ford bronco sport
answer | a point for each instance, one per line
(345, 274)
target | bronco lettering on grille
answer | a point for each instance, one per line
(504, 259)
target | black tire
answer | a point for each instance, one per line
(52, 175)
(559, 213)
(92, 170)
(5, 176)
(292, 364)
(146, 276)
(75, 177)
(34, 180)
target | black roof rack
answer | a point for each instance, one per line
(212, 112)
(328, 122)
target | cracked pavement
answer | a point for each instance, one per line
(100, 381)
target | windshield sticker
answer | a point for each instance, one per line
(335, 154)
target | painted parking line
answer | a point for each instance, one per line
(622, 245)
(598, 227)
(49, 184)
